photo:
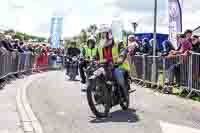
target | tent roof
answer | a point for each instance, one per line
(196, 31)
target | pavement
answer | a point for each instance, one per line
(61, 107)
(16, 115)
(9, 118)
(48, 103)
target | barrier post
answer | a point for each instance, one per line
(164, 70)
(190, 76)
(144, 68)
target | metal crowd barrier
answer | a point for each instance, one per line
(194, 73)
(16, 63)
(183, 71)
(13, 63)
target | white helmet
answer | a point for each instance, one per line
(92, 38)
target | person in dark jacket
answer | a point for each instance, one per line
(195, 44)
(145, 47)
(3, 51)
(73, 50)
(18, 46)
(7, 45)
(167, 47)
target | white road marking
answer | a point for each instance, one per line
(173, 128)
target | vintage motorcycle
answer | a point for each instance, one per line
(104, 92)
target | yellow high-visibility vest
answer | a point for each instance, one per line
(125, 65)
(90, 52)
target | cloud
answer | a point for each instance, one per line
(144, 6)
(34, 16)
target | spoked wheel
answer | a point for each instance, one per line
(98, 99)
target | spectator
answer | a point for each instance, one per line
(44, 56)
(132, 45)
(174, 70)
(19, 47)
(178, 37)
(30, 48)
(132, 49)
(188, 35)
(186, 46)
(167, 47)
(16, 44)
(7, 45)
(195, 44)
(25, 48)
(3, 51)
(145, 47)
(38, 49)
(138, 40)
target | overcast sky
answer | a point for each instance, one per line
(33, 16)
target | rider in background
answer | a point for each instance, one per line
(73, 50)
(89, 52)
(109, 53)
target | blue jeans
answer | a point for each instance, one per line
(120, 77)
(173, 71)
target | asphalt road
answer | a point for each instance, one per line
(61, 107)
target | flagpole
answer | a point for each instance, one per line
(154, 42)
(155, 28)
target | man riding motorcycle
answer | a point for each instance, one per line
(109, 53)
(89, 52)
(72, 65)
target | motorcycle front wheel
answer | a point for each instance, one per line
(98, 97)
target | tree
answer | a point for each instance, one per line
(10, 31)
(92, 28)
(26, 37)
(98, 38)
(67, 42)
(83, 37)
(41, 39)
(19, 35)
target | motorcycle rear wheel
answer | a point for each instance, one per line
(91, 88)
